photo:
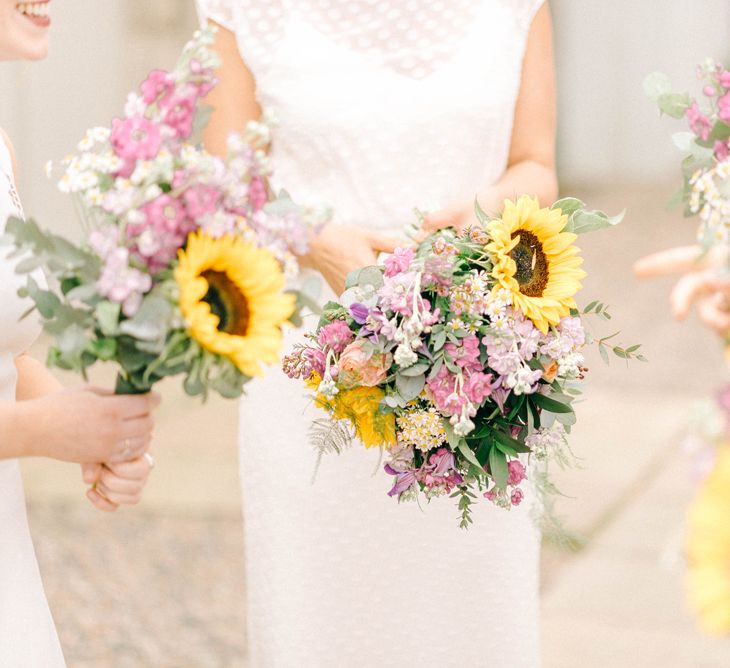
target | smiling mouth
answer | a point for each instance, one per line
(37, 12)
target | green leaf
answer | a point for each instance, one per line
(409, 387)
(590, 307)
(438, 340)
(365, 276)
(498, 468)
(720, 131)
(104, 349)
(509, 442)
(657, 84)
(568, 205)
(451, 437)
(418, 369)
(674, 104)
(481, 215)
(550, 405)
(468, 454)
(150, 322)
(583, 221)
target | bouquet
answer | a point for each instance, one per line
(183, 267)
(706, 166)
(462, 357)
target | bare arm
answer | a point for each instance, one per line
(531, 165)
(34, 380)
(234, 98)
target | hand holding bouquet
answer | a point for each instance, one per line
(184, 264)
(460, 357)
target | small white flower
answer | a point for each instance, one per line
(404, 356)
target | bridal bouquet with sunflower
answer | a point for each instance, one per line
(706, 165)
(183, 267)
(461, 357)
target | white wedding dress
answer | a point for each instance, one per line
(27, 635)
(383, 105)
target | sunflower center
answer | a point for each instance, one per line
(532, 267)
(227, 302)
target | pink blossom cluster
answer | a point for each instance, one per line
(146, 178)
(717, 89)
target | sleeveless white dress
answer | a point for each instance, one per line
(383, 106)
(27, 635)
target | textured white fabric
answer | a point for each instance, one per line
(27, 634)
(383, 106)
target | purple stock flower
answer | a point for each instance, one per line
(359, 313)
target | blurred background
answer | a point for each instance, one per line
(163, 584)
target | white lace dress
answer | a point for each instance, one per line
(382, 106)
(27, 634)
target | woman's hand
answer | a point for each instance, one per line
(339, 249)
(117, 484)
(86, 425)
(701, 284)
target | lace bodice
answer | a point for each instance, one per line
(384, 106)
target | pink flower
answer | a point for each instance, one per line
(442, 388)
(157, 84)
(699, 123)
(516, 497)
(466, 353)
(724, 78)
(179, 114)
(336, 336)
(723, 105)
(722, 150)
(315, 360)
(399, 261)
(135, 138)
(122, 284)
(478, 387)
(257, 195)
(201, 200)
(516, 473)
(362, 367)
(163, 233)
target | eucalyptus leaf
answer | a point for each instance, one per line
(674, 104)
(107, 317)
(150, 322)
(415, 370)
(583, 221)
(409, 387)
(568, 205)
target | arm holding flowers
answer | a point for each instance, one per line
(531, 165)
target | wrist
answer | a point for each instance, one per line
(27, 425)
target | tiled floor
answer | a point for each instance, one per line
(162, 585)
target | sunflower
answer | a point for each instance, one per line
(535, 260)
(231, 296)
(708, 549)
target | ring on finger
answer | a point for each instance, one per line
(150, 460)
